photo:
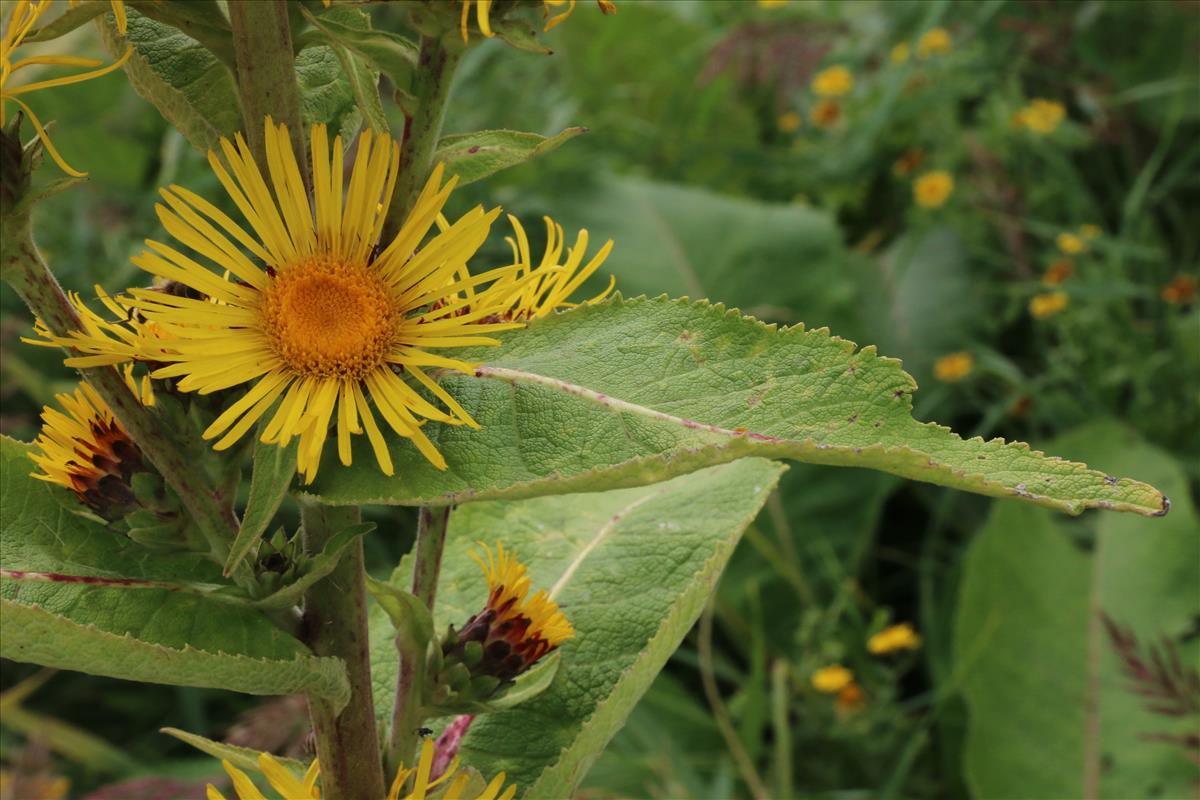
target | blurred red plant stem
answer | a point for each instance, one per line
(446, 747)
(25, 270)
(335, 624)
(427, 565)
(423, 125)
(745, 766)
(266, 75)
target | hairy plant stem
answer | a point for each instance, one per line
(266, 75)
(26, 271)
(335, 624)
(431, 88)
(427, 566)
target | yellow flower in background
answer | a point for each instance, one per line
(291, 787)
(789, 122)
(1058, 272)
(934, 42)
(553, 9)
(900, 53)
(933, 189)
(530, 292)
(1181, 291)
(891, 639)
(834, 81)
(1089, 231)
(826, 113)
(1048, 304)
(953, 367)
(1070, 244)
(318, 313)
(832, 679)
(771, 3)
(21, 19)
(1040, 116)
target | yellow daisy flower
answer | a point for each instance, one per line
(1040, 116)
(953, 367)
(282, 780)
(934, 42)
(321, 313)
(900, 53)
(893, 638)
(483, 11)
(531, 292)
(789, 122)
(1070, 244)
(833, 82)
(933, 189)
(84, 448)
(24, 15)
(832, 679)
(1048, 304)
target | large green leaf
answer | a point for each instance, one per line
(473, 156)
(189, 86)
(79, 596)
(635, 391)
(1050, 714)
(632, 569)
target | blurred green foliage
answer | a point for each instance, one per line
(693, 167)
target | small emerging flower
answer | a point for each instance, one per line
(933, 189)
(953, 367)
(85, 449)
(291, 787)
(908, 163)
(825, 113)
(24, 15)
(1089, 231)
(832, 679)
(1048, 304)
(1058, 272)
(833, 82)
(1040, 116)
(891, 639)
(1181, 291)
(934, 42)
(1070, 244)
(900, 53)
(789, 122)
(850, 699)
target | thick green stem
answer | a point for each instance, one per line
(431, 88)
(266, 74)
(427, 566)
(24, 269)
(335, 622)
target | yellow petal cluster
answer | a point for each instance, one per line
(953, 367)
(934, 42)
(1040, 116)
(833, 81)
(893, 638)
(1048, 304)
(832, 679)
(933, 189)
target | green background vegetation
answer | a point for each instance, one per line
(685, 165)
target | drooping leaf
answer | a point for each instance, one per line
(79, 596)
(189, 86)
(241, 757)
(635, 391)
(68, 21)
(274, 468)
(1050, 713)
(473, 156)
(631, 568)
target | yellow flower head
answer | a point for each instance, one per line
(1181, 291)
(291, 787)
(1040, 116)
(934, 42)
(789, 122)
(825, 113)
(933, 189)
(514, 629)
(953, 367)
(84, 448)
(1048, 304)
(1089, 231)
(900, 53)
(1058, 272)
(319, 314)
(832, 679)
(551, 9)
(891, 639)
(531, 292)
(1070, 244)
(24, 15)
(833, 82)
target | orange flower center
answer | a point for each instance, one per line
(327, 319)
